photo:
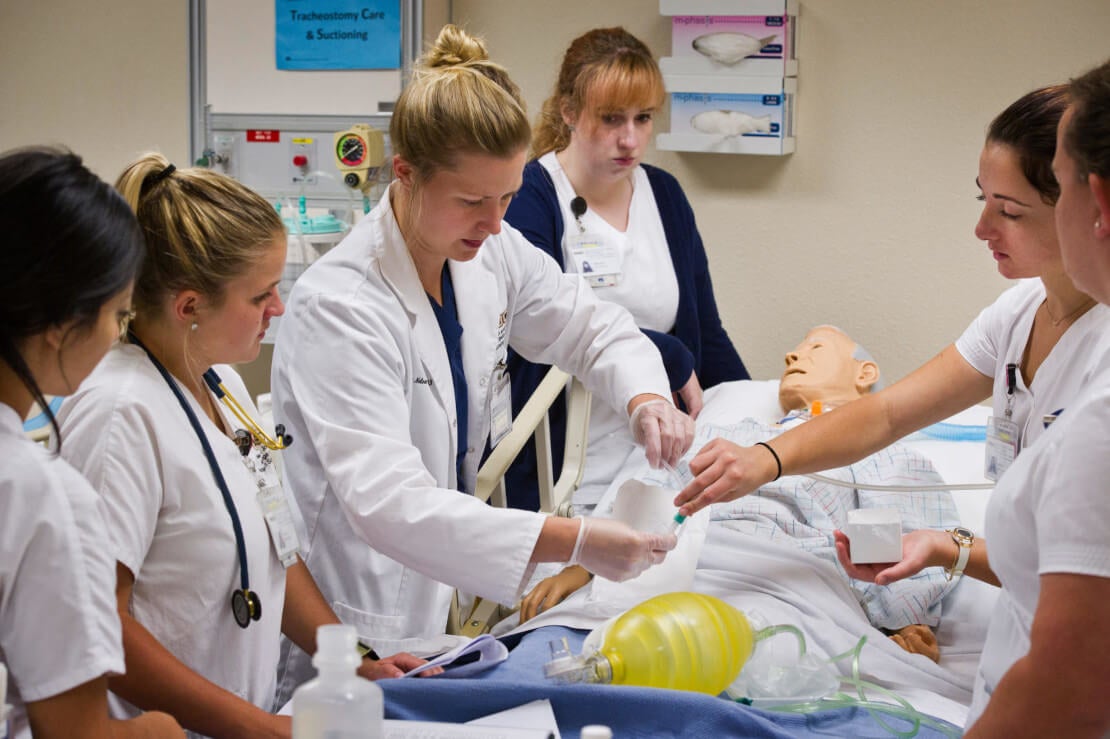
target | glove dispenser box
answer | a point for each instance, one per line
(732, 77)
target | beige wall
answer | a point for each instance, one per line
(868, 225)
(107, 79)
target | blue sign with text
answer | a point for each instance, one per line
(338, 34)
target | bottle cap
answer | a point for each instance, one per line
(336, 644)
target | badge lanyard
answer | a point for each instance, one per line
(598, 261)
(246, 606)
(1003, 435)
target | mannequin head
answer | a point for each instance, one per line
(827, 366)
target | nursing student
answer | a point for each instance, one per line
(586, 193)
(208, 572)
(1044, 669)
(390, 371)
(70, 254)
(1029, 351)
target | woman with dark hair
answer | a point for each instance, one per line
(1028, 351)
(589, 202)
(1048, 519)
(71, 251)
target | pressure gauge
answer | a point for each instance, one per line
(351, 149)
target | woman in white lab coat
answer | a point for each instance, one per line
(70, 253)
(390, 370)
(208, 570)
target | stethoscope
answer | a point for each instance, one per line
(246, 606)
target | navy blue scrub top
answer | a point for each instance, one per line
(447, 316)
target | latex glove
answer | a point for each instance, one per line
(691, 396)
(662, 430)
(616, 551)
(551, 591)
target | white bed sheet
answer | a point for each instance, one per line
(782, 584)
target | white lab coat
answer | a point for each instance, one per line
(362, 381)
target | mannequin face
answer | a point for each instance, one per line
(1017, 225)
(821, 368)
(1077, 213)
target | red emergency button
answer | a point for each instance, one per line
(300, 161)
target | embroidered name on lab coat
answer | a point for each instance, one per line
(422, 381)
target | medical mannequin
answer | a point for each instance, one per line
(390, 369)
(1046, 329)
(70, 253)
(825, 371)
(587, 190)
(203, 606)
(1048, 519)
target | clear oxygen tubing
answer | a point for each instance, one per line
(901, 709)
(900, 488)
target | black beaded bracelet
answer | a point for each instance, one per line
(778, 462)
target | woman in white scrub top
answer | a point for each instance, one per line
(206, 582)
(1029, 351)
(71, 250)
(1044, 669)
(390, 370)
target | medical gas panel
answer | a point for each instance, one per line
(329, 160)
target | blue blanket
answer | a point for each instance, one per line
(628, 711)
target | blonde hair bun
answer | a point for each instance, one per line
(454, 47)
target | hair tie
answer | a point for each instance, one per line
(158, 177)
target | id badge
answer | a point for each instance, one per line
(279, 520)
(501, 408)
(1003, 437)
(598, 262)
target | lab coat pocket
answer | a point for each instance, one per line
(384, 633)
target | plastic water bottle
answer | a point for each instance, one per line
(682, 641)
(338, 704)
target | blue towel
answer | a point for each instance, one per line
(628, 711)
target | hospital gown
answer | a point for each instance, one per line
(804, 512)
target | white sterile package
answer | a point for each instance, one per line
(875, 535)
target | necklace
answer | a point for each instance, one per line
(1079, 309)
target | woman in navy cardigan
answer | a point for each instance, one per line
(634, 227)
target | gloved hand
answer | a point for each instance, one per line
(662, 430)
(616, 551)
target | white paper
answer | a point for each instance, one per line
(490, 653)
(533, 715)
(435, 730)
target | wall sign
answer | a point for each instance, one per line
(338, 34)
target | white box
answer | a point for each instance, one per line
(761, 45)
(736, 107)
(875, 535)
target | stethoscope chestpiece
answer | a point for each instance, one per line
(246, 606)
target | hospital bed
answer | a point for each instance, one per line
(777, 584)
